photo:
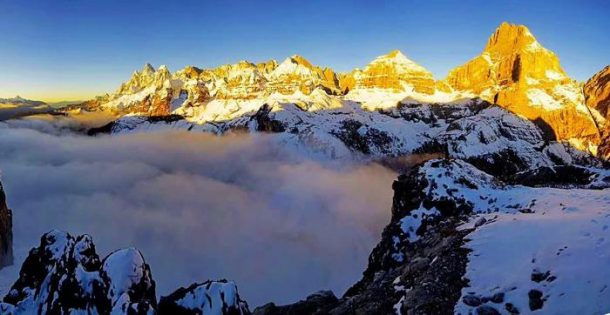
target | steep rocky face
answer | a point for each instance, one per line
(296, 74)
(240, 81)
(389, 79)
(6, 231)
(597, 92)
(519, 74)
(597, 96)
(64, 275)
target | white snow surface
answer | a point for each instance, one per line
(562, 231)
(567, 235)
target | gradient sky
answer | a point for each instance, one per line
(57, 50)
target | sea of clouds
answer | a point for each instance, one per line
(243, 207)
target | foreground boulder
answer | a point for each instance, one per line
(65, 275)
(6, 231)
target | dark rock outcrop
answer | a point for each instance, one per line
(210, 297)
(6, 231)
(65, 275)
(316, 304)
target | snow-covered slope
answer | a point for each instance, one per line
(533, 248)
(473, 130)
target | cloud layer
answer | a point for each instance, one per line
(200, 207)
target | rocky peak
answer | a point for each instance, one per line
(296, 73)
(517, 73)
(388, 77)
(399, 63)
(295, 65)
(509, 38)
(148, 69)
(512, 55)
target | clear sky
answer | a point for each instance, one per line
(57, 50)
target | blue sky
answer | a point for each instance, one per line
(55, 50)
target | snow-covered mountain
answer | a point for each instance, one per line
(514, 71)
(512, 141)
(391, 78)
(518, 73)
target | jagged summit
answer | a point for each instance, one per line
(518, 73)
(512, 55)
(402, 62)
(294, 65)
(148, 69)
(511, 37)
(301, 60)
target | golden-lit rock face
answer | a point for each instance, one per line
(146, 78)
(512, 56)
(597, 95)
(393, 72)
(517, 73)
(513, 71)
(240, 81)
(597, 92)
(296, 74)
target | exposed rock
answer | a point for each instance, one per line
(471, 300)
(210, 297)
(64, 275)
(6, 231)
(597, 92)
(536, 301)
(264, 123)
(597, 95)
(491, 138)
(538, 276)
(389, 74)
(519, 74)
(316, 304)
(487, 310)
(511, 309)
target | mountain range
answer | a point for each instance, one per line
(506, 214)
(513, 71)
